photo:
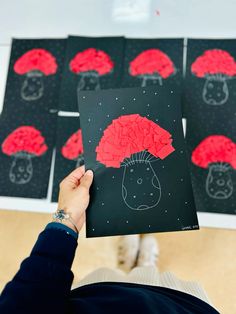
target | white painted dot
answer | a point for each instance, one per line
(148, 105)
(97, 188)
(102, 204)
(166, 211)
(131, 170)
(100, 129)
(171, 92)
(151, 194)
(113, 177)
(186, 203)
(178, 219)
(89, 119)
(108, 115)
(149, 226)
(156, 119)
(163, 167)
(127, 221)
(108, 221)
(148, 168)
(168, 105)
(169, 194)
(155, 93)
(99, 103)
(181, 179)
(134, 196)
(144, 91)
(83, 97)
(174, 120)
(93, 229)
(90, 141)
(123, 108)
(148, 115)
(67, 232)
(117, 98)
(181, 152)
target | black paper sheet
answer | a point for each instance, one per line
(91, 63)
(69, 157)
(34, 74)
(27, 139)
(141, 193)
(209, 106)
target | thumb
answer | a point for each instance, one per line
(87, 179)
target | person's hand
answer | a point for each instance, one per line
(74, 196)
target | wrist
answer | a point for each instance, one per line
(65, 218)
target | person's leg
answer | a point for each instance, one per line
(128, 251)
(148, 251)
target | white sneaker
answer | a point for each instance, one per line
(128, 251)
(148, 251)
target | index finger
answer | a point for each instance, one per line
(72, 180)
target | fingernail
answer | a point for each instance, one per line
(89, 173)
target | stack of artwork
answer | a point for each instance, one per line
(116, 105)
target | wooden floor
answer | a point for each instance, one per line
(207, 256)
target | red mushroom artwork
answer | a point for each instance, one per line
(152, 65)
(73, 148)
(133, 142)
(90, 64)
(23, 144)
(34, 64)
(216, 66)
(217, 153)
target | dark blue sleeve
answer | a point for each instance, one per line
(43, 282)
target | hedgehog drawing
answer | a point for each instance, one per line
(217, 153)
(152, 65)
(216, 66)
(90, 65)
(134, 142)
(35, 64)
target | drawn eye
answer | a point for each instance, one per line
(21, 169)
(220, 182)
(140, 181)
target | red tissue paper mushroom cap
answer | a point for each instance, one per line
(152, 61)
(24, 139)
(215, 149)
(131, 134)
(91, 59)
(214, 61)
(73, 146)
(36, 59)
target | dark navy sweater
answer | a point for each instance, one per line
(43, 285)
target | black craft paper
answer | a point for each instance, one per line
(45, 88)
(113, 46)
(204, 119)
(39, 169)
(108, 214)
(66, 126)
(173, 48)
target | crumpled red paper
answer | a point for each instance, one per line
(36, 60)
(215, 149)
(25, 139)
(92, 59)
(73, 146)
(150, 62)
(131, 134)
(214, 61)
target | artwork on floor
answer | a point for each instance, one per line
(69, 150)
(26, 150)
(34, 74)
(209, 106)
(152, 62)
(133, 141)
(90, 64)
